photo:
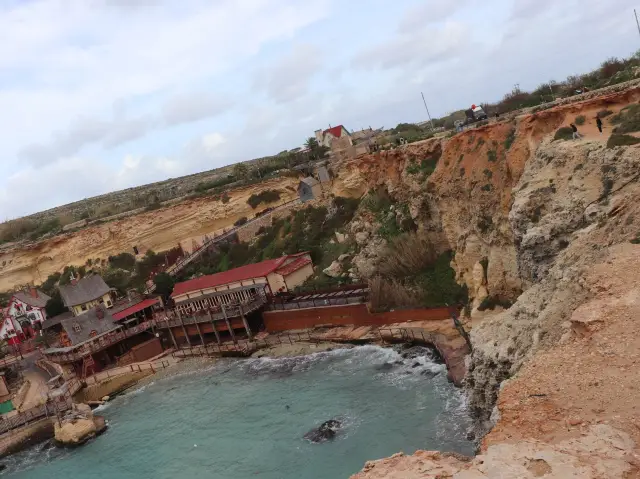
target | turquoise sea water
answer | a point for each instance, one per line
(232, 421)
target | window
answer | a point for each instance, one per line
(76, 327)
(83, 307)
(108, 303)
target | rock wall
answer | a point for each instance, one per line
(528, 218)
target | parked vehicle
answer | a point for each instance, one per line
(475, 113)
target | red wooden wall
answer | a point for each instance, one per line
(356, 314)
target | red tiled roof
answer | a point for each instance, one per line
(134, 309)
(295, 265)
(335, 131)
(256, 270)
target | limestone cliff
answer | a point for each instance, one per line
(530, 219)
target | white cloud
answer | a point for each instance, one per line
(212, 141)
(431, 11)
(429, 45)
(289, 78)
(72, 59)
(187, 108)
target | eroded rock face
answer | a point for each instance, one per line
(601, 453)
(556, 244)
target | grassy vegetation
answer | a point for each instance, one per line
(617, 139)
(490, 302)
(266, 196)
(628, 120)
(218, 182)
(510, 139)
(379, 203)
(411, 273)
(426, 167)
(564, 133)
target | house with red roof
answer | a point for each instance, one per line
(227, 305)
(243, 284)
(336, 137)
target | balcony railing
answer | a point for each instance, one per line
(100, 343)
(205, 316)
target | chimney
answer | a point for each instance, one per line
(34, 292)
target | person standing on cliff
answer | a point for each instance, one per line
(576, 135)
(599, 124)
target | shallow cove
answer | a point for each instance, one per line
(231, 420)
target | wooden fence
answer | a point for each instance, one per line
(132, 368)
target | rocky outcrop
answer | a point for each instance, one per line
(601, 453)
(530, 220)
(556, 245)
(78, 426)
(326, 431)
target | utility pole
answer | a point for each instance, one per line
(427, 108)
(637, 22)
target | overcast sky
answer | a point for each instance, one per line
(100, 95)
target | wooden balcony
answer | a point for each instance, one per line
(76, 353)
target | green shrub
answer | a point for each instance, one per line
(488, 173)
(413, 168)
(486, 187)
(621, 140)
(240, 221)
(377, 201)
(510, 139)
(122, 261)
(492, 156)
(490, 302)
(604, 113)
(628, 120)
(564, 133)
(636, 240)
(225, 198)
(266, 196)
(580, 119)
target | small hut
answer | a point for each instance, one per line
(309, 189)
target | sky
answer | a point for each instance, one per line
(101, 95)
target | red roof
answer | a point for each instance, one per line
(134, 309)
(293, 266)
(335, 131)
(256, 270)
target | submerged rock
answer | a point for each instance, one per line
(386, 366)
(326, 431)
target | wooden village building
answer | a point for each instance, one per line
(23, 316)
(83, 294)
(224, 306)
(215, 308)
(99, 338)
